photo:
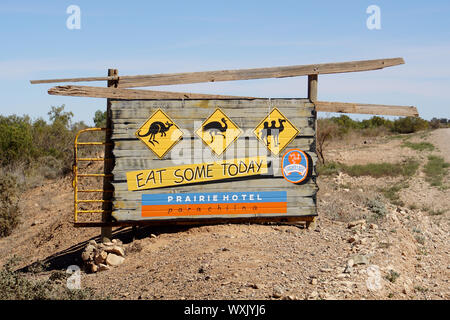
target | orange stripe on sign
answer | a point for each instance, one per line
(213, 209)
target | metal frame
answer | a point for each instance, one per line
(77, 175)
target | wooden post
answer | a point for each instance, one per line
(106, 232)
(312, 87)
(312, 96)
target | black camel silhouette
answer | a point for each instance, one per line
(272, 131)
(156, 127)
(215, 128)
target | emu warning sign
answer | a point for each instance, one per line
(218, 132)
(194, 160)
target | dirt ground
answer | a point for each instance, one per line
(402, 255)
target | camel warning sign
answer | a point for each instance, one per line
(276, 131)
(218, 132)
(159, 133)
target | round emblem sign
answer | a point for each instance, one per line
(294, 165)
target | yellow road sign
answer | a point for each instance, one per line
(276, 131)
(159, 133)
(218, 132)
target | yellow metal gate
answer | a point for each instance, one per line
(77, 176)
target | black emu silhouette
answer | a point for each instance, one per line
(272, 131)
(215, 128)
(156, 127)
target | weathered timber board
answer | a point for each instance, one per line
(131, 154)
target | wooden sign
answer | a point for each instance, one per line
(227, 160)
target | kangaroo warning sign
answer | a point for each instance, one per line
(159, 133)
(213, 160)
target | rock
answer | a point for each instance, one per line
(93, 243)
(105, 240)
(114, 260)
(100, 257)
(313, 295)
(342, 276)
(406, 289)
(89, 248)
(116, 250)
(348, 269)
(373, 226)
(153, 235)
(353, 238)
(87, 256)
(277, 292)
(117, 242)
(93, 267)
(350, 263)
(326, 270)
(360, 259)
(313, 281)
(356, 223)
(103, 267)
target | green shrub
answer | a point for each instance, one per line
(15, 285)
(9, 209)
(377, 170)
(38, 147)
(435, 170)
(409, 125)
(420, 146)
(100, 119)
(377, 207)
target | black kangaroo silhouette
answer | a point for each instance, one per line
(156, 127)
(215, 128)
(272, 131)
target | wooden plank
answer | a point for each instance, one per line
(360, 108)
(132, 145)
(82, 79)
(128, 116)
(114, 93)
(305, 208)
(312, 87)
(106, 232)
(295, 201)
(259, 73)
(242, 74)
(193, 150)
(308, 189)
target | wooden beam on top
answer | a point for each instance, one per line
(242, 74)
(376, 109)
(129, 94)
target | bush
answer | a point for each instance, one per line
(409, 125)
(9, 209)
(100, 119)
(38, 147)
(435, 170)
(14, 285)
(326, 130)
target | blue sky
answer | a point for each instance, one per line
(146, 37)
